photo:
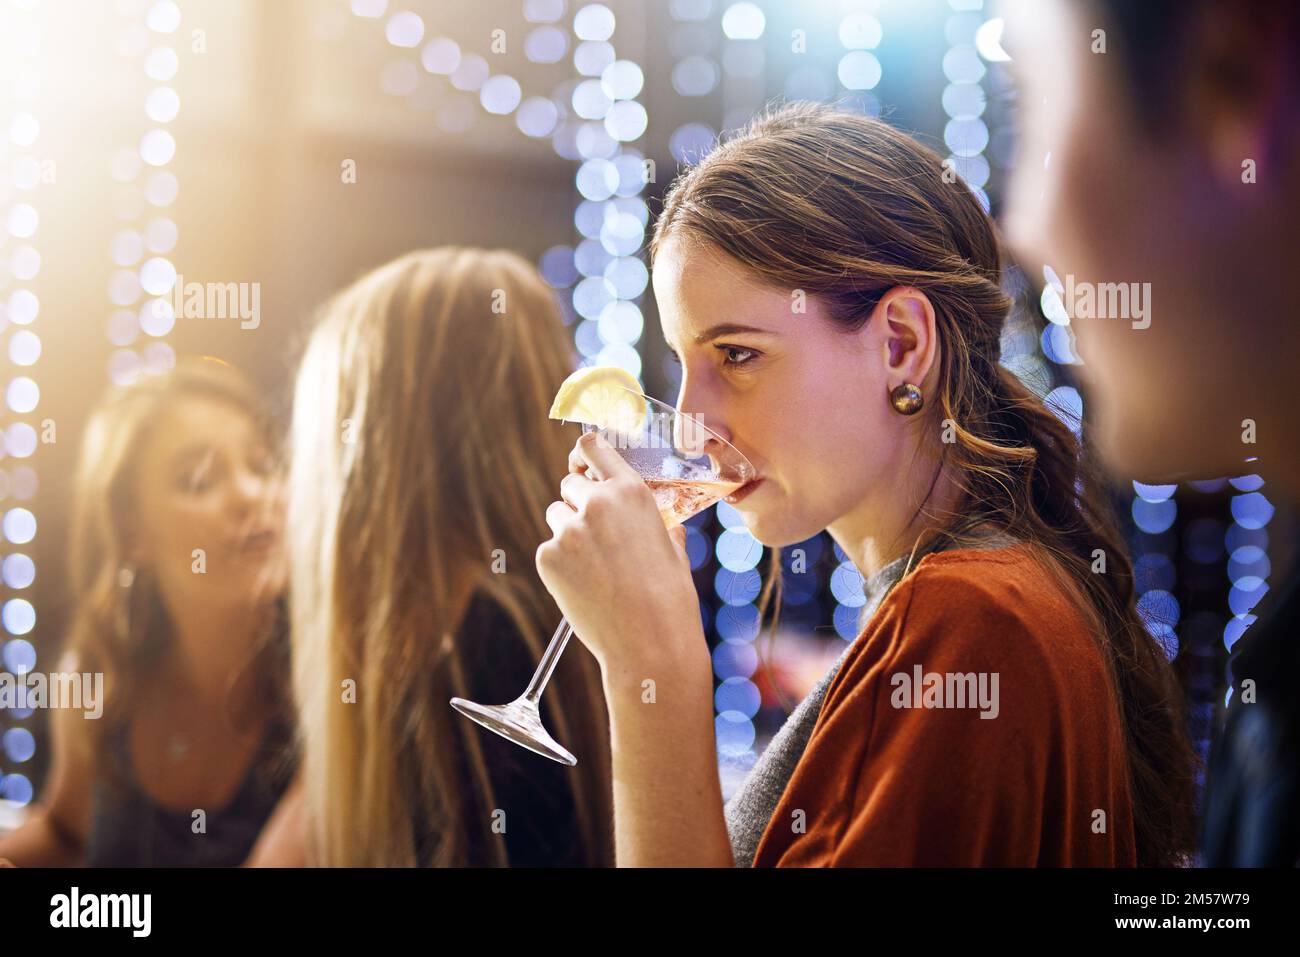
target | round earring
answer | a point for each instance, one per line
(906, 399)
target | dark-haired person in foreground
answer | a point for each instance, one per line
(1175, 161)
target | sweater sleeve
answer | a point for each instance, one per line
(934, 741)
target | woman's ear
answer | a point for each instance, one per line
(910, 344)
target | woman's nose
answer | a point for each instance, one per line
(696, 425)
(251, 489)
(693, 435)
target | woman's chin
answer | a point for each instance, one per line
(256, 585)
(775, 531)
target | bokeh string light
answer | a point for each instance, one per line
(965, 133)
(612, 214)
(1154, 512)
(20, 306)
(693, 77)
(143, 277)
(859, 69)
(744, 61)
(737, 584)
(737, 581)
(1246, 543)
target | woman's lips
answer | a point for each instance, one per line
(742, 493)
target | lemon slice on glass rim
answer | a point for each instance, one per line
(608, 397)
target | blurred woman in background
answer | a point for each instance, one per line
(177, 577)
(423, 460)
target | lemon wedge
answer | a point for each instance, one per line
(608, 397)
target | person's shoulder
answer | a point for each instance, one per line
(973, 614)
(980, 607)
(1018, 572)
(1013, 582)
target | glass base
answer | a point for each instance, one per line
(520, 722)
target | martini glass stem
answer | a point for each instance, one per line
(549, 660)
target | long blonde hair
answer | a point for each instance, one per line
(422, 456)
(124, 632)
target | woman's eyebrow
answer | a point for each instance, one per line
(730, 328)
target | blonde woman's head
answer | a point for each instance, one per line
(423, 462)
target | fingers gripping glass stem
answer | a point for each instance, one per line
(684, 481)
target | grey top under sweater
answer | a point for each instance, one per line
(751, 807)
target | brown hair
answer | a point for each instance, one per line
(845, 207)
(421, 449)
(125, 632)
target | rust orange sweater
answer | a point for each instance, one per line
(973, 723)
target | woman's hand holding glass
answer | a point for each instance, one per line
(622, 580)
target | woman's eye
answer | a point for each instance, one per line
(197, 481)
(747, 355)
(199, 476)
